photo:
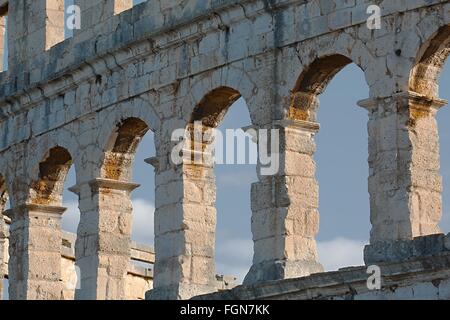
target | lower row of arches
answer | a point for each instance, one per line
(342, 173)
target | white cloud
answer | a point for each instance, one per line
(341, 252)
(143, 213)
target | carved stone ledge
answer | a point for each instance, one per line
(300, 125)
(113, 184)
(420, 101)
(408, 98)
(55, 211)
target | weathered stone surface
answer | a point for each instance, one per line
(402, 250)
(88, 100)
(416, 279)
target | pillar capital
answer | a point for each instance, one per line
(113, 184)
(299, 125)
(103, 183)
(419, 101)
(104, 264)
(407, 98)
(39, 209)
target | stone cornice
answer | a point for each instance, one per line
(299, 125)
(409, 98)
(113, 184)
(290, 124)
(106, 184)
(36, 208)
(420, 101)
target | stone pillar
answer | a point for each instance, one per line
(185, 223)
(285, 218)
(405, 184)
(35, 252)
(103, 243)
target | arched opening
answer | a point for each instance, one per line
(311, 83)
(48, 188)
(431, 79)
(130, 147)
(69, 225)
(224, 110)
(35, 237)
(118, 163)
(56, 174)
(427, 70)
(143, 233)
(341, 156)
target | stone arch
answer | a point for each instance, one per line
(211, 111)
(110, 196)
(47, 189)
(222, 83)
(430, 60)
(141, 107)
(295, 186)
(185, 214)
(137, 111)
(38, 216)
(212, 108)
(425, 104)
(311, 83)
(121, 149)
